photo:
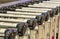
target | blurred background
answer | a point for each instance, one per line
(5, 1)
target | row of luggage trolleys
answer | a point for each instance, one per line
(37, 21)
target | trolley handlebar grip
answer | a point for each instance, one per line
(39, 19)
(32, 23)
(53, 12)
(57, 10)
(8, 34)
(45, 16)
(21, 28)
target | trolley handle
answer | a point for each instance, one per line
(21, 28)
(45, 16)
(57, 10)
(32, 23)
(39, 19)
(8, 34)
(52, 13)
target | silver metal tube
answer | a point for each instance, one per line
(23, 13)
(16, 16)
(2, 31)
(54, 2)
(45, 5)
(13, 20)
(32, 9)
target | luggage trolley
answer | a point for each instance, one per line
(23, 16)
(7, 34)
(21, 20)
(32, 14)
(21, 34)
(29, 13)
(56, 26)
(31, 10)
(11, 26)
(14, 23)
(38, 6)
(56, 17)
(2, 5)
(37, 11)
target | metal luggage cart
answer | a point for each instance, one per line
(7, 34)
(42, 10)
(20, 33)
(30, 13)
(41, 6)
(56, 16)
(20, 19)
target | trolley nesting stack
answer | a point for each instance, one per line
(37, 21)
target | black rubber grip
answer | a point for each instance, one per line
(21, 28)
(39, 19)
(45, 16)
(8, 34)
(57, 11)
(32, 23)
(52, 13)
